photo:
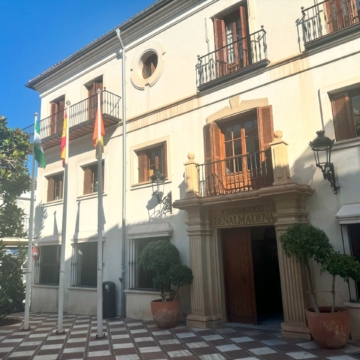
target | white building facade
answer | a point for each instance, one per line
(236, 90)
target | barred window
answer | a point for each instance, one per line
(47, 268)
(140, 279)
(84, 264)
(354, 237)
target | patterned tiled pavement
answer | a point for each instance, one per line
(135, 340)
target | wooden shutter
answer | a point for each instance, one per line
(265, 127)
(214, 151)
(244, 34)
(87, 180)
(61, 184)
(50, 192)
(54, 110)
(220, 42)
(60, 120)
(143, 166)
(164, 160)
(343, 120)
(354, 14)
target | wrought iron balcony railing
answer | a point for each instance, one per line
(246, 172)
(232, 58)
(81, 118)
(328, 17)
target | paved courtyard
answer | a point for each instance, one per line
(132, 340)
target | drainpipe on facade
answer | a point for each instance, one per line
(123, 222)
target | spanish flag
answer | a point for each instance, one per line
(96, 134)
(63, 141)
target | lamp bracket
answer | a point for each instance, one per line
(165, 201)
(328, 172)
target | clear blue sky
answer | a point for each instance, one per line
(36, 34)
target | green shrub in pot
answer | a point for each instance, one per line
(163, 258)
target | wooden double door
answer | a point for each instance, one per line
(251, 274)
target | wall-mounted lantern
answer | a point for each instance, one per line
(322, 147)
(157, 182)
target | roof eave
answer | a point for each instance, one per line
(106, 37)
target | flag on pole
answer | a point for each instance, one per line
(38, 149)
(63, 141)
(96, 131)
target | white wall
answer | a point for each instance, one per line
(292, 87)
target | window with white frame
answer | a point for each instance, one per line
(91, 178)
(84, 264)
(151, 159)
(55, 187)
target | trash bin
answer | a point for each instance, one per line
(109, 300)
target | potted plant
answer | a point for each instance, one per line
(329, 326)
(163, 258)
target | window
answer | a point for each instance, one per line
(47, 267)
(57, 115)
(240, 137)
(151, 159)
(84, 264)
(340, 14)
(55, 187)
(346, 113)
(91, 178)
(236, 153)
(139, 278)
(354, 235)
(92, 88)
(232, 42)
(149, 65)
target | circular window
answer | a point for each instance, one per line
(149, 64)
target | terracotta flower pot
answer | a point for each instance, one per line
(165, 314)
(329, 330)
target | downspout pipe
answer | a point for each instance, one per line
(123, 222)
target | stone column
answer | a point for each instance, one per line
(293, 282)
(290, 209)
(205, 294)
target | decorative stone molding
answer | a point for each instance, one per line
(236, 107)
(136, 66)
(280, 160)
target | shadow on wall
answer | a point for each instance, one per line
(41, 213)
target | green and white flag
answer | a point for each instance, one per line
(38, 149)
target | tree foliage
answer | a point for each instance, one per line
(343, 265)
(163, 258)
(12, 287)
(306, 242)
(14, 178)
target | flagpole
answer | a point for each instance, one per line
(123, 196)
(60, 329)
(100, 333)
(31, 231)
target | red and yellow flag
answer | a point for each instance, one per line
(63, 141)
(96, 131)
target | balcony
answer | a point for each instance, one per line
(329, 20)
(247, 172)
(81, 118)
(235, 59)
